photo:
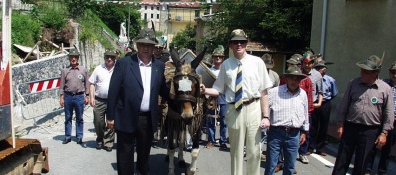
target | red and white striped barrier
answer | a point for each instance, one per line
(44, 85)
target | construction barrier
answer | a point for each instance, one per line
(38, 99)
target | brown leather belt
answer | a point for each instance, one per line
(248, 101)
(285, 128)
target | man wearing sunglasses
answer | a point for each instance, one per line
(98, 90)
(244, 80)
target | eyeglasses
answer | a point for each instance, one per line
(238, 42)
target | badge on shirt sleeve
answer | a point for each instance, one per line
(374, 100)
(80, 77)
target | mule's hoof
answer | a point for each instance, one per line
(182, 164)
(167, 158)
(189, 171)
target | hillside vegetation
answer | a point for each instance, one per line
(50, 20)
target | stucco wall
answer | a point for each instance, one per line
(355, 30)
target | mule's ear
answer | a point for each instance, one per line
(198, 59)
(175, 57)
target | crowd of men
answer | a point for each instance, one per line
(291, 111)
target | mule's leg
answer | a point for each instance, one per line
(182, 139)
(163, 123)
(171, 154)
(193, 167)
(194, 154)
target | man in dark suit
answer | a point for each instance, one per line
(132, 102)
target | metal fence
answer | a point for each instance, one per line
(38, 99)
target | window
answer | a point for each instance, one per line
(196, 13)
(152, 16)
(158, 8)
(145, 16)
(145, 7)
(152, 8)
(157, 16)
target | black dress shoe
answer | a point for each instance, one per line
(80, 142)
(108, 149)
(98, 146)
(66, 141)
(223, 147)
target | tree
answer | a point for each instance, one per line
(113, 15)
(284, 25)
(287, 24)
(76, 8)
(186, 38)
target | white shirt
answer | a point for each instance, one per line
(287, 109)
(220, 98)
(254, 77)
(101, 79)
(145, 72)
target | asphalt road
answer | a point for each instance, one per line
(72, 159)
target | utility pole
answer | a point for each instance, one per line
(5, 70)
(129, 20)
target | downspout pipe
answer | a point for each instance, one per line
(324, 23)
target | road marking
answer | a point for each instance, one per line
(323, 160)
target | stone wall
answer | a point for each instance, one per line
(92, 54)
(50, 68)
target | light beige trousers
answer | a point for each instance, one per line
(243, 126)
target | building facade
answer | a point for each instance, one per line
(349, 31)
(170, 17)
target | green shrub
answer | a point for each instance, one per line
(25, 31)
(53, 19)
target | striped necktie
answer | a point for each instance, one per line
(238, 88)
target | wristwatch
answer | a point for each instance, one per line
(385, 132)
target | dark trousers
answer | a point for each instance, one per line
(304, 147)
(358, 139)
(125, 148)
(319, 126)
(385, 155)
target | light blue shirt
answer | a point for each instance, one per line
(388, 81)
(330, 89)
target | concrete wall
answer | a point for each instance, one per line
(355, 30)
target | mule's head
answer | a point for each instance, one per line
(186, 84)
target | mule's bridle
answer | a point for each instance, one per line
(188, 97)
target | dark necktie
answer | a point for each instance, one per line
(238, 89)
